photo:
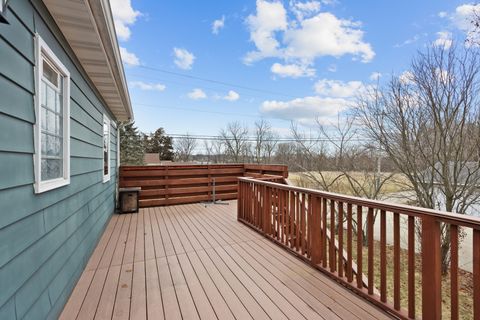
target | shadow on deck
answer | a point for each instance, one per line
(191, 262)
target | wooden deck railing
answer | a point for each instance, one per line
(322, 228)
(178, 184)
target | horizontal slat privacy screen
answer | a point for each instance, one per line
(178, 184)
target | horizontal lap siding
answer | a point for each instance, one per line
(46, 239)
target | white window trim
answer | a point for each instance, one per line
(106, 177)
(42, 49)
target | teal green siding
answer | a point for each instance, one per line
(46, 239)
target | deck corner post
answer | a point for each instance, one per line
(431, 269)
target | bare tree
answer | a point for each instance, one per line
(184, 148)
(338, 162)
(235, 140)
(428, 124)
(265, 142)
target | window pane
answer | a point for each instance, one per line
(51, 119)
(58, 103)
(50, 74)
(43, 93)
(106, 133)
(54, 146)
(44, 144)
(51, 93)
(43, 117)
(59, 126)
(51, 169)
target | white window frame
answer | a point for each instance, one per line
(43, 52)
(106, 121)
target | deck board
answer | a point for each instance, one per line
(197, 262)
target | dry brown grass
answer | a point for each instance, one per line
(397, 183)
(465, 294)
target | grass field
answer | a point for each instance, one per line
(397, 182)
(465, 282)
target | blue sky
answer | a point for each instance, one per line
(194, 66)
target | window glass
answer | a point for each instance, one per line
(106, 142)
(51, 111)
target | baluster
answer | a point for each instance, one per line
(332, 237)
(309, 226)
(316, 230)
(324, 233)
(340, 239)
(349, 243)
(297, 222)
(476, 274)
(383, 256)
(431, 269)
(396, 261)
(304, 216)
(453, 271)
(292, 219)
(359, 248)
(411, 267)
(371, 252)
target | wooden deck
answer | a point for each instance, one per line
(192, 262)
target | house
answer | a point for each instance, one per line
(62, 93)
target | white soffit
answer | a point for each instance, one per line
(88, 27)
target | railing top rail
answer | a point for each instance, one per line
(447, 217)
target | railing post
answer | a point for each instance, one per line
(431, 269)
(316, 228)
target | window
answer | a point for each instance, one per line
(106, 148)
(52, 126)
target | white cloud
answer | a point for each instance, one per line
(124, 16)
(292, 70)
(232, 96)
(375, 76)
(197, 94)
(339, 89)
(217, 25)
(304, 9)
(270, 18)
(148, 86)
(444, 39)
(129, 58)
(411, 40)
(306, 109)
(306, 38)
(183, 58)
(332, 97)
(442, 14)
(463, 16)
(406, 77)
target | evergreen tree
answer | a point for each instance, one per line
(159, 143)
(131, 144)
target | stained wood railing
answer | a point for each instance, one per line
(178, 184)
(327, 230)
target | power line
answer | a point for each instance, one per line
(253, 139)
(187, 85)
(215, 81)
(256, 116)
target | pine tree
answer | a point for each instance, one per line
(159, 143)
(131, 144)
